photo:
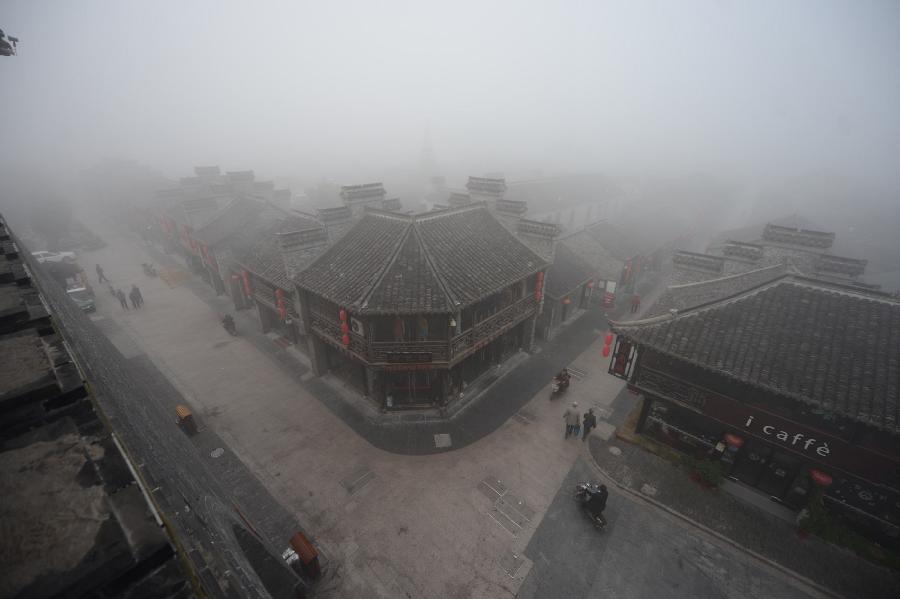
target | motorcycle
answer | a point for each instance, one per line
(228, 325)
(149, 269)
(584, 492)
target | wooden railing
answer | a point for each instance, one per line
(492, 327)
(389, 352)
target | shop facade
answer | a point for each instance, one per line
(707, 403)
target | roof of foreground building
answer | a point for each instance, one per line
(264, 258)
(433, 262)
(829, 345)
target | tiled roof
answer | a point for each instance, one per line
(567, 272)
(264, 258)
(828, 345)
(682, 297)
(229, 220)
(435, 262)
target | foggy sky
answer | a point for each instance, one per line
(305, 88)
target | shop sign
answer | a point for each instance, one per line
(780, 432)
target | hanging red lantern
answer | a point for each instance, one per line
(342, 315)
(345, 339)
(247, 289)
(590, 285)
(606, 350)
(733, 440)
(345, 328)
(820, 478)
(567, 301)
(608, 339)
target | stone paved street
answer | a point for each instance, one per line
(388, 524)
(641, 554)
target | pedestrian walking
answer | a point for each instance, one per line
(136, 293)
(589, 422)
(573, 419)
(121, 295)
(134, 300)
(100, 276)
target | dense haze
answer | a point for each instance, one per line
(729, 87)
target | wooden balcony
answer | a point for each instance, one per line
(444, 353)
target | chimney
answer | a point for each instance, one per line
(510, 212)
(299, 248)
(357, 197)
(337, 221)
(487, 190)
(540, 237)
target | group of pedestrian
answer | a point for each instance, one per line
(578, 425)
(137, 299)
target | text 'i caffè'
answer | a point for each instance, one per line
(792, 384)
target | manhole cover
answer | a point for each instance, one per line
(217, 452)
(442, 440)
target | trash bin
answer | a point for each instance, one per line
(186, 419)
(307, 554)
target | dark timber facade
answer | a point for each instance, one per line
(411, 309)
(790, 383)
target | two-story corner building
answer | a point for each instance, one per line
(792, 383)
(411, 308)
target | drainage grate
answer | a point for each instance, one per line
(577, 373)
(358, 479)
(511, 562)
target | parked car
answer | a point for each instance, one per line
(45, 256)
(83, 298)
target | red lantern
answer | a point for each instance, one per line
(733, 440)
(590, 284)
(820, 478)
(567, 301)
(247, 288)
(540, 276)
(606, 350)
(342, 315)
(608, 339)
(345, 328)
(346, 339)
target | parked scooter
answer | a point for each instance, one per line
(592, 498)
(149, 269)
(228, 325)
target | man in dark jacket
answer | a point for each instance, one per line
(590, 421)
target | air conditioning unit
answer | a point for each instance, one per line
(357, 327)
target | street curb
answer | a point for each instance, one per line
(823, 591)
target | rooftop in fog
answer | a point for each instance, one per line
(433, 262)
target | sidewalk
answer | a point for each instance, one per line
(745, 526)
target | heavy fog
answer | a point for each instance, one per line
(764, 107)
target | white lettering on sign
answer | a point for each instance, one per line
(798, 440)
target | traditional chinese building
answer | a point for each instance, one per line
(570, 283)
(410, 309)
(792, 381)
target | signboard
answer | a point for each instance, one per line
(622, 358)
(784, 434)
